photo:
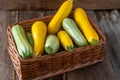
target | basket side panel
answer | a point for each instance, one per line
(62, 62)
(14, 54)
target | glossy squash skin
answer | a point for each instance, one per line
(63, 12)
(65, 40)
(71, 28)
(82, 20)
(39, 32)
(24, 48)
(52, 44)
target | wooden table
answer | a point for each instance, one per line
(109, 22)
(109, 69)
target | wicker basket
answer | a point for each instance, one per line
(54, 64)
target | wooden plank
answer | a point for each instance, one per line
(59, 77)
(111, 23)
(6, 67)
(25, 15)
(99, 71)
(54, 4)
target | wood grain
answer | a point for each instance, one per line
(25, 15)
(111, 28)
(6, 67)
(54, 4)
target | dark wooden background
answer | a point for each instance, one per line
(108, 20)
(54, 4)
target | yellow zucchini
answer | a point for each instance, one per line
(63, 12)
(65, 40)
(39, 32)
(82, 20)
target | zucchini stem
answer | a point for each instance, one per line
(69, 48)
(94, 42)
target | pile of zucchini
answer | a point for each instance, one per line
(61, 30)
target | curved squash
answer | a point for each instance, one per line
(63, 12)
(65, 40)
(39, 32)
(84, 24)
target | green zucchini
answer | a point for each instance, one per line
(71, 28)
(30, 39)
(24, 48)
(52, 44)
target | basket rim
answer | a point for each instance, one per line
(101, 41)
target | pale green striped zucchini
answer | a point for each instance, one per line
(24, 48)
(71, 28)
